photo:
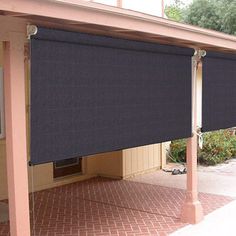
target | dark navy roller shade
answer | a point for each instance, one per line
(93, 94)
(219, 91)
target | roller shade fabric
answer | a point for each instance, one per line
(219, 91)
(92, 94)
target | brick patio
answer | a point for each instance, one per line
(102, 206)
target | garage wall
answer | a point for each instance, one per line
(105, 164)
(141, 159)
(129, 162)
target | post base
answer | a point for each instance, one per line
(192, 212)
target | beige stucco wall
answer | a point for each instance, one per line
(120, 164)
(105, 164)
(129, 162)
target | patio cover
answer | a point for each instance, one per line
(219, 91)
(93, 94)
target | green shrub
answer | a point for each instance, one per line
(218, 146)
(177, 151)
(233, 146)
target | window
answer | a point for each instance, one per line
(67, 167)
(2, 123)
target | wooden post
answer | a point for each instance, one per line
(14, 81)
(192, 210)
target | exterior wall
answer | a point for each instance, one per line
(105, 164)
(129, 162)
(141, 159)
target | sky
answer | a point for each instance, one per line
(167, 2)
(153, 7)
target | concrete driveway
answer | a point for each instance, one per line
(220, 222)
(220, 180)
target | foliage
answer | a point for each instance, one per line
(218, 15)
(175, 11)
(203, 13)
(229, 18)
(177, 151)
(218, 147)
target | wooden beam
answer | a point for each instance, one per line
(92, 13)
(13, 24)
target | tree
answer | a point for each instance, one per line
(203, 13)
(229, 18)
(218, 15)
(174, 11)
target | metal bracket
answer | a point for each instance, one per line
(198, 54)
(31, 30)
(200, 137)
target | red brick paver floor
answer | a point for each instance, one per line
(102, 206)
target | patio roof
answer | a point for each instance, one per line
(97, 18)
